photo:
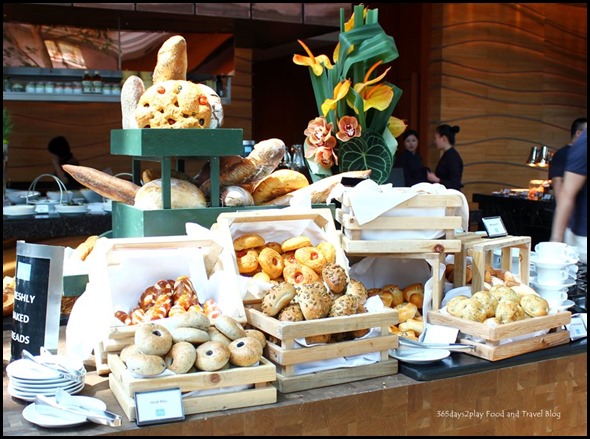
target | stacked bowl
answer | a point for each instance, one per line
(554, 265)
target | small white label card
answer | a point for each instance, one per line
(494, 226)
(159, 406)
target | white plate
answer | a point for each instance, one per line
(419, 355)
(552, 264)
(30, 396)
(64, 209)
(569, 282)
(51, 418)
(69, 387)
(19, 210)
(28, 370)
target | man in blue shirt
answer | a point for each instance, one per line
(571, 212)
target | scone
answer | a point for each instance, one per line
(473, 310)
(488, 301)
(502, 292)
(507, 312)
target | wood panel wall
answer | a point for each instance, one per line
(88, 126)
(511, 75)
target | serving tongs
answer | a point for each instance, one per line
(456, 347)
(64, 371)
(64, 401)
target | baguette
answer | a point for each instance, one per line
(113, 188)
(319, 190)
(172, 62)
(131, 91)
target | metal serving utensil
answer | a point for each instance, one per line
(458, 347)
(66, 372)
(66, 402)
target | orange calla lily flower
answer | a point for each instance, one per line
(316, 63)
(378, 96)
(340, 92)
(396, 126)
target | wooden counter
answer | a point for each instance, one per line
(547, 397)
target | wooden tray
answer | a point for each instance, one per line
(124, 385)
(481, 250)
(286, 356)
(497, 341)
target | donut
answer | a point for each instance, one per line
(328, 250)
(153, 339)
(334, 276)
(295, 243)
(191, 335)
(229, 327)
(258, 335)
(145, 365)
(391, 294)
(298, 274)
(181, 357)
(245, 351)
(488, 301)
(277, 298)
(212, 355)
(311, 257)
(271, 262)
(248, 241)
(534, 306)
(216, 335)
(247, 261)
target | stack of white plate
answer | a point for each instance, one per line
(27, 379)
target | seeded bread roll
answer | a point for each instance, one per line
(277, 298)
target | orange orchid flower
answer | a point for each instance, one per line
(348, 127)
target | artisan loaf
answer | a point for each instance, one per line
(183, 195)
(131, 91)
(172, 62)
(109, 186)
(278, 183)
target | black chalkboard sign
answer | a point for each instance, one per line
(37, 298)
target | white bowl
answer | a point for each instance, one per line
(90, 196)
(64, 209)
(20, 197)
(19, 210)
(56, 195)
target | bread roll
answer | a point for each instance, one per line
(278, 183)
(152, 174)
(183, 195)
(233, 196)
(131, 91)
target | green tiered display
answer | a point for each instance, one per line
(162, 145)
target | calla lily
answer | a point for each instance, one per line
(348, 127)
(378, 96)
(396, 126)
(316, 63)
(347, 27)
(340, 92)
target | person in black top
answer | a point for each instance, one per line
(59, 147)
(410, 161)
(449, 170)
(557, 163)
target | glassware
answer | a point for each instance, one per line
(298, 161)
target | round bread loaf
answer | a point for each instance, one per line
(181, 357)
(212, 355)
(488, 301)
(473, 310)
(146, 365)
(310, 299)
(230, 327)
(508, 311)
(153, 339)
(174, 104)
(245, 351)
(534, 306)
(183, 195)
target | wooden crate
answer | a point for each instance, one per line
(497, 343)
(279, 225)
(257, 378)
(286, 356)
(353, 240)
(113, 252)
(481, 251)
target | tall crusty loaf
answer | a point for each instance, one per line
(172, 60)
(109, 186)
(131, 91)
